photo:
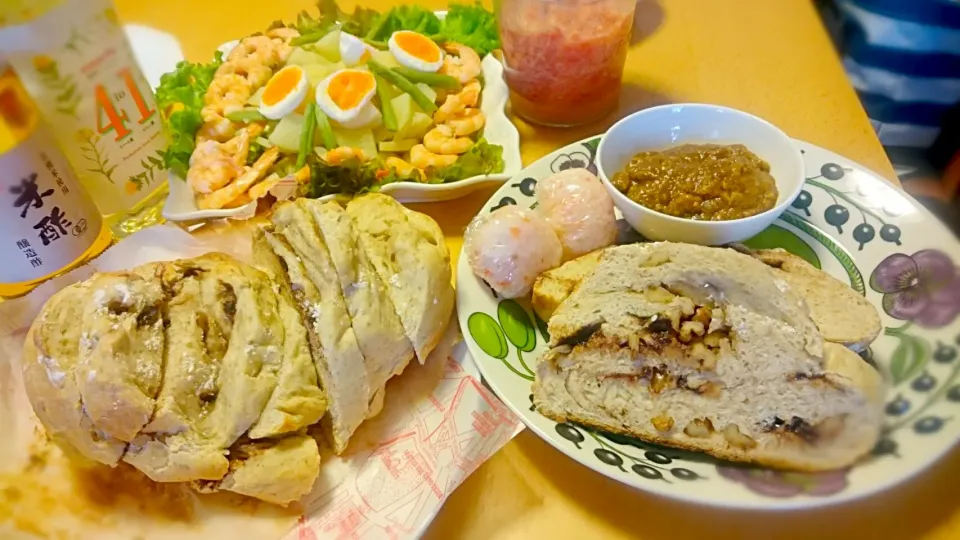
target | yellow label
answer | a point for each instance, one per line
(83, 76)
(18, 116)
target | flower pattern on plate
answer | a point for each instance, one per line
(923, 287)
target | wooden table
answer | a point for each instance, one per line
(769, 57)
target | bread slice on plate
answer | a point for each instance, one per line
(342, 367)
(408, 251)
(50, 355)
(385, 347)
(842, 315)
(554, 286)
(297, 401)
(700, 348)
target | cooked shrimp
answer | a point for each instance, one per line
(211, 168)
(470, 94)
(451, 106)
(422, 158)
(214, 165)
(260, 190)
(456, 103)
(403, 168)
(242, 200)
(266, 50)
(226, 94)
(509, 247)
(251, 175)
(575, 203)
(220, 129)
(252, 70)
(462, 63)
(342, 153)
(441, 140)
(467, 122)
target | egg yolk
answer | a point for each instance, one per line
(281, 85)
(418, 45)
(349, 88)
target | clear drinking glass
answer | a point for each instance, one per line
(563, 59)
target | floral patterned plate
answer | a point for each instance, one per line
(848, 222)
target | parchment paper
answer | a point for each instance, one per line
(438, 425)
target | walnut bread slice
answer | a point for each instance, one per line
(702, 349)
(386, 349)
(409, 254)
(342, 367)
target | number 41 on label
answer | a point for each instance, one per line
(117, 120)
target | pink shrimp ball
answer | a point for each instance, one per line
(509, 248)
(579, 209)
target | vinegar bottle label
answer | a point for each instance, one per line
(47, 222)
(76, 62)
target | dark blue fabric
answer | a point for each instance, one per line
(889, 111)
(942, 13)
(919, 64)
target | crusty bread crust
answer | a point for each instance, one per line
(49, 362)
(715, 446)
(842, 315)
(410, 255)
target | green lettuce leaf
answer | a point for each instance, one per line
(482, 158)
(180, 97)
(409, 17)
(473, 26)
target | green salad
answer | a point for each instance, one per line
(335, 102)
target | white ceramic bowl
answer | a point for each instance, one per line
(665, 126)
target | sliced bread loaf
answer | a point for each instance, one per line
(50, 355)
(297, 401)
(700, 348)
(409, 254)
(211, 401)
(121, 352)
(386, 348)
(342, 368)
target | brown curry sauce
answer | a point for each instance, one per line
(705, 182)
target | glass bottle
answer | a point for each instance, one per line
(75, 61)
(563, 59)
(48, 224)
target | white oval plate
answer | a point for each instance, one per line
(850, 223)
(181, 205)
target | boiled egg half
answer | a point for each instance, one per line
(415, 51)
(353, 51)
(284, 92)
(345, 96)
